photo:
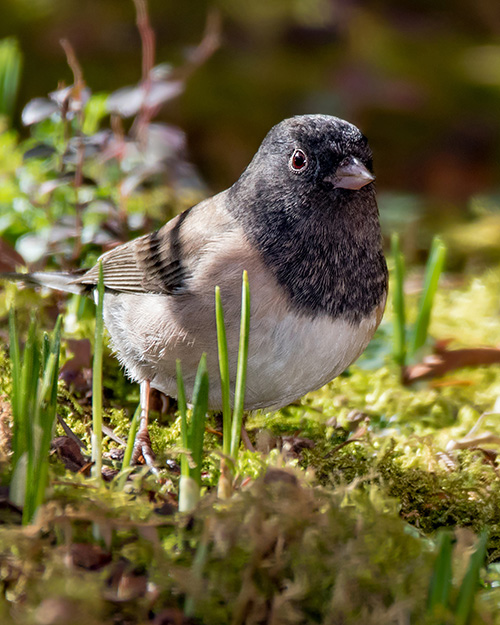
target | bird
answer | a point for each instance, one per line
(302, 220)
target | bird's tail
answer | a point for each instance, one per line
(52, 280)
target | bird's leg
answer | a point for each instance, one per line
(142, 445)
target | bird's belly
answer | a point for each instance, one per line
(299, 355)
(289, 355)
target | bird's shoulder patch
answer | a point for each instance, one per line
(152, 263)
(161, 259)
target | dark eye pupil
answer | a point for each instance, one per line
(298, 159)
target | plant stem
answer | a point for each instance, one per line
(433, 271)
(224, 374)
(398, 302)
(470, 582)
(442, 577)
(129, 450)
(97, 380)
(241, 372)
(182, 404)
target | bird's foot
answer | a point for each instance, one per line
(143, 453)
(142, 445)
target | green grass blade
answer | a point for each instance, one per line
(182, 404)
(224, 374)
(10, 72)
(45, 349)
(398, 302)
(97, 380)
(29, 381)
(46, 406)
(192, 435)
(199, 562)
(129, 449)
(468, 589)
(50, 360)
(55, 351)
(34, 403)
(442, 576)
(198, 418)
(29, 391)
(15, 358)
(241, 372)
(25, 384)
(433, 271)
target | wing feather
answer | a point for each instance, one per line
(163, 261)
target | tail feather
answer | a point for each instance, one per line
(52, 280)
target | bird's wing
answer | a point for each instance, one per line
(163, 261)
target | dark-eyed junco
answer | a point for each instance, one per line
(303, 221)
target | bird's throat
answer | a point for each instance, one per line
(329, 261)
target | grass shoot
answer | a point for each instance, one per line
(408, 341)
(34, 401)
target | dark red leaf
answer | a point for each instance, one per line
(10, 260)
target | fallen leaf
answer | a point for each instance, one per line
(69, 452)
(444, 360)
(89, 556)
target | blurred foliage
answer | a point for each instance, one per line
(10, 70)
(78, 185)
(421, 79)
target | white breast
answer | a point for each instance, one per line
(289, 355)
(299, 355)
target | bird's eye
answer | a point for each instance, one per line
(298, 161)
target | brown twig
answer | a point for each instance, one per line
(210, 42)
(148, 42)
(147, 38)
(199, 55)
(73, 64)
(205, 49)
(76, 95)
(118, 153)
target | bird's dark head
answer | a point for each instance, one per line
(312, 157)
(307, 203)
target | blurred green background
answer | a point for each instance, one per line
(421, 79)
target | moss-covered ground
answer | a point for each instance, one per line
(334, 519)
